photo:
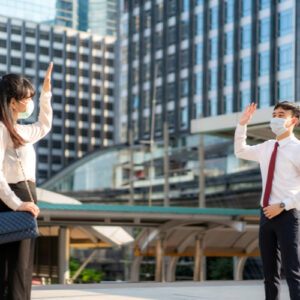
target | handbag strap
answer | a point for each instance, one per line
(26, 181)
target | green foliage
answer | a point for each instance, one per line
(220, 268)
(86, 275)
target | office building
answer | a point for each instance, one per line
(82, 86)
(211, 58)
(96, 16)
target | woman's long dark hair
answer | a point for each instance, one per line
(17, 87)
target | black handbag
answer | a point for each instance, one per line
(18, 225)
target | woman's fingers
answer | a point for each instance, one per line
(47, 81)
(30, 207)
(49, 70)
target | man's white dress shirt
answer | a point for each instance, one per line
(10, 171)
(286, 181)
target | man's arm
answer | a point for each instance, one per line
(241, 149)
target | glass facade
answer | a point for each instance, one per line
(216, 61)
(97, 16)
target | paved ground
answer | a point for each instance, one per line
(224, 290)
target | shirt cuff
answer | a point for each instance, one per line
(46, 95)
(16, 202)
(289, 204)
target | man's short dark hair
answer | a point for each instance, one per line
(292, 106)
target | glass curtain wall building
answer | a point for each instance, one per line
(206, 58)
(82, 86)
(96, 16)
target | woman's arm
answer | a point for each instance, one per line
(6, 194)
(32, 133)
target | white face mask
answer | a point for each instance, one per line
(278, 126)
(29, 110)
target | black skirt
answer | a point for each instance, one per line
(21, 191)
(16, 261)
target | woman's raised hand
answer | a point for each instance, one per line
(47, 80)
(248, 113)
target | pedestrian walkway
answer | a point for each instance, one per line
(216, 290)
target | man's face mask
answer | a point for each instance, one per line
(278, 125)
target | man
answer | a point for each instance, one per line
(280, 202)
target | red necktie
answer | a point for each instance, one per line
(270, 176)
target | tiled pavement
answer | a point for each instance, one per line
(217, 290)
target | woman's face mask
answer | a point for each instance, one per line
(29, 110)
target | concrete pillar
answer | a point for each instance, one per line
(239, 267)
(160, 261)
(199, 262)
(171, 269)
(201, 183)
(135, 269)
(63, 255)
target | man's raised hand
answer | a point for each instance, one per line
(247, 114)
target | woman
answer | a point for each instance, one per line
(16, 92)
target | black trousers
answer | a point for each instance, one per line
(279, 244)
(16, 258)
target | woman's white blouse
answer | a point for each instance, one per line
(10, 171)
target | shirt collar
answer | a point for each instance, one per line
(286, 140)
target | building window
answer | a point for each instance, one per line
(285, 22)
(264, 95)
(246, 36)
(184, 58)
(264, 30)
(246, 68)
(159, 12)
(198, 54)
(245, 99)
(184, 29)
(214, 48)
(171, 91)
(264, 63)
(146, 99)
(158, 122)
(159, 67)
(171, 35)
(197, 110)
(184, 87)
(199, 24)
(228, 74)
(213, 106)
(214, 17)
(285, 90)
(171, 8)
(246, 7)
(213, 78)
(184, 117)
(171, 63)
(185, 4)
(158, 95)
(229, 11)
(146, 125)
(158, 39)
(135, 104)
(198, 83)
(171, 119)
(285, 57)
(228, 103)
(229, 43)
(199, 2)
(147, 19)
(264, 4)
